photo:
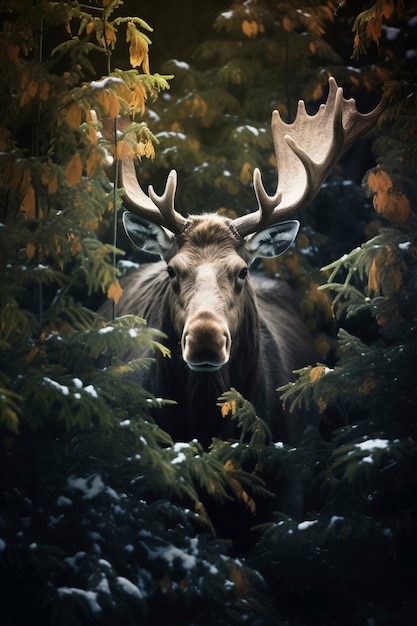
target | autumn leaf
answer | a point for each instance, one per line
(138, 49)
(5, 135)
(30, 250)
(73, 170)
(92, 162)
(393, 206)
(246, 173)
(241, 584)
(228, 407)
(250, 28)
(316, 372)
(123, 150)
(44, 91)
(73, 115)
(115, 291)
(28, 204)
(367, 384)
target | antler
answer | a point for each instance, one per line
(157, 209)
(306, 151)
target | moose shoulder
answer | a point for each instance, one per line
(228, 327)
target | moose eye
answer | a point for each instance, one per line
(243, 273)
(171, 272)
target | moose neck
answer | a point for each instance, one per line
(196, 393)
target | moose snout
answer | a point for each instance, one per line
(206, 342)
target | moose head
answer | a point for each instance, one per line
(207, 256)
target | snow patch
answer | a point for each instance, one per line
(307, 524)
(89, 596)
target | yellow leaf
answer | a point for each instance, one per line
(52, 183)
(374, 29)
(76, 245)
(138, 49)
(73, 170)
(287, 24)
(5, 135)
(387, 8)
(123, 150)
(241, 584)
(367, 385)
(138, 98)
(316, 372)
(373, 277)
(246, 173)
(115, 291)
(229, 407)
(92, 162)
(113, 105)
(109, 36)
(29, 93)
(30, 250)
(393, 206)
(73, 115)
(44, 91)
(322, 404)
(28, 204)
(250, 28)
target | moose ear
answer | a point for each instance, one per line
(272, 241)
(147, 236)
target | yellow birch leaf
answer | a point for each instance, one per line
(250, 28)
(145, 64)
(149, 150)
(91, 163)
(28, 205)
(138, 98)
(74, 170)
(322, 404)
(374, 29)
(373, 277)
(367, 385)
(316, 372)
(241, 584)
(246, 173)
(318, 92)
(52, 183)
(115, 291)
(123, 150)
(5, 135)
(123, 91)
(44, 91)
(76, 245)
(110, 37)
(228, 407)
(73, 115)
(387, 8)
(29, 92)
(30, 250)
(113, 105)
(138, 49)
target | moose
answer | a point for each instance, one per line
(226, 325)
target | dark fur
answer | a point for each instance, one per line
(271, 343)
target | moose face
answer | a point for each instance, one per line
(209, 287)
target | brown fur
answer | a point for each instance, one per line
(267, 339)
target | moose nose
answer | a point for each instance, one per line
(205, 342)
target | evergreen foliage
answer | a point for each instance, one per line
(103, 519)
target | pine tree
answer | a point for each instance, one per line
(350, 559)
(101, 516)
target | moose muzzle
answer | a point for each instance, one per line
(206, 342)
